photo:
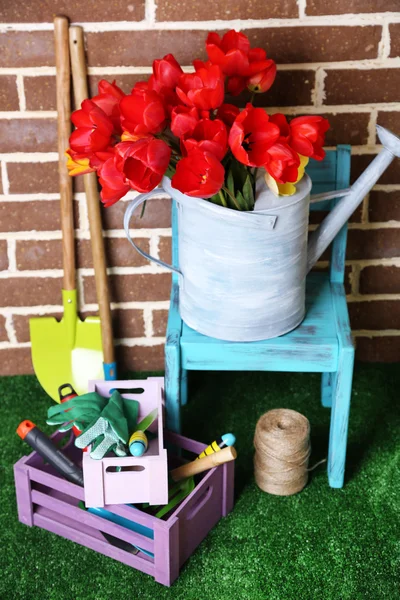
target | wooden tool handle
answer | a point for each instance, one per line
(79, 76)
(203, 464)
(63, 78)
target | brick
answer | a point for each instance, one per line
(28, 135)
(341, 7)
(1, 184)
(127, 323)
(378, 349)
(310, 44)
(119, 252)
(394, 32)
(360, 86)
(30, 291)
(380, 280)
(38, 254)
(290, 88)
(3, 331)
(384, 206)
(8, 93)
(165, 249)
(140, 358)
(373, 243)
(47, 254)
(390, 120)
(35, 216)
(317, 44)
(26, 48)
(33, 178)
(359, 163)
(104, 10)
(3, 255)
(129, 288)
(160, 318)
(157, 214)
(225, 9)
(376, 314)
(140, 48)
(317, 216)
(350, 128)
(16, 361)
(125, 82)
(40, 92)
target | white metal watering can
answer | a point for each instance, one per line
(242, 274)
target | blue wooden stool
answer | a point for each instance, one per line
(322, 343)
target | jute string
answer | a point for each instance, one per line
(282, 443)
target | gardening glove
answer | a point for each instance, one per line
(78, 412)
(109, 431)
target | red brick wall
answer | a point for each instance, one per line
(339, 58)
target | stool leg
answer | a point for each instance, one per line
(184, 386)
(341, 395)
(172, 387)
(327, 385)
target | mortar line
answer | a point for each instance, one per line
(4, 178)
(11, 254)
(148, 322)
(21, 92)
(344, 20)
(10, 329)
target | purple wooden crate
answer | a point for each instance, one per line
(129, 479)
(47, 500)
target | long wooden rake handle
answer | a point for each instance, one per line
(81, 92)
(63, 85)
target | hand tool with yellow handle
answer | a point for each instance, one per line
(203, 464)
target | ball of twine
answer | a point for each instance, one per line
(282, 443)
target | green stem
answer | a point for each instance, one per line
(232, 198)
(221, 195)
(253, 94)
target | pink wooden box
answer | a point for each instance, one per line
(47, 500)
(129, 479)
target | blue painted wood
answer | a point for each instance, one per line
(341, 390)
(322, 343)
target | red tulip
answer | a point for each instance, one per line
(166, 73)
(308, 136)
(94, 129)
(251, 135)
(209, 136)
(282, 163)
(183, 120)
(261, 82)
(228, 113)
(230, 52)
(77, 164)
(200, 174)
(142, 112)
(108, 100)
(113, 182)
(203, 89)
(144, 162)
(281, 121)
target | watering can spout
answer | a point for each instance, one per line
(320, 239)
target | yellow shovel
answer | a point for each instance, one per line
(70, 350)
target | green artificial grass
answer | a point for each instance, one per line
(320, 544)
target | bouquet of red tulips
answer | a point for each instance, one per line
(177, 124)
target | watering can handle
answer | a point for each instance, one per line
(127, 217)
